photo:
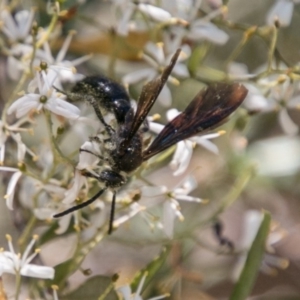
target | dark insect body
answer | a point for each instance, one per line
(208, 109)
(107, 93)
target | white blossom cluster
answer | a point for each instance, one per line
(41, 132)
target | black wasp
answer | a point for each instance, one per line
(125, 154)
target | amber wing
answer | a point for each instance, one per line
(207, 110)
(147, 98)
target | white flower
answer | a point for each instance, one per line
(10, 191)
(21, 148)
(18, 28)
(87, 161)
(9, 130)
(156, 13)
(127, 294)
(3, 137)
(78, 181)
(126, 197)
(184, 9)
(46, 213)
(172, 206)
(184, 149)
(282, 97)
(281, 91)
(64, 70)
(125, 12)
(134, 208)
(282, 12)
(157, 59)
(46, 203)
(18, 60)
(204, 30)
(255, 101)
(124, 18)
(13, 263)
(197, 29)
(47, 98)
(252, 224)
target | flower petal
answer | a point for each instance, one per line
(87, 160)
(125, 291)
(188, 185)
(172, 114)
(71, 194)
(123, 27)
(156, 127)
(165, 97)
(169, 217)
(24, 104)
(63, 224)
(287, 124)
(281, 11)
(37, 271)
(24, 20)
(153, 191)
(182, 157)
(138, 76)
(11, 189)
(181, 70)
(255, 101)
(154, 12)
(207, 144)
(188, 198)
(156, 51)
(62, 108)
(208, 31)
(6, 262)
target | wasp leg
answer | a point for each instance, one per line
(112, 213)
(90, 152)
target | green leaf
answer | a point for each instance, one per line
(151, 269)
(255, 255)
(62, 271)
(97, 287)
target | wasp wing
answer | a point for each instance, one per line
(207, 110)
(146, 100)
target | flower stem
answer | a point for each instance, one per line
(238, 49)
(27, 232)
(272, 47)
(18, 285)
(54, 146)
(46, 35)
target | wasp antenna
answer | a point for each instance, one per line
(79, 206)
